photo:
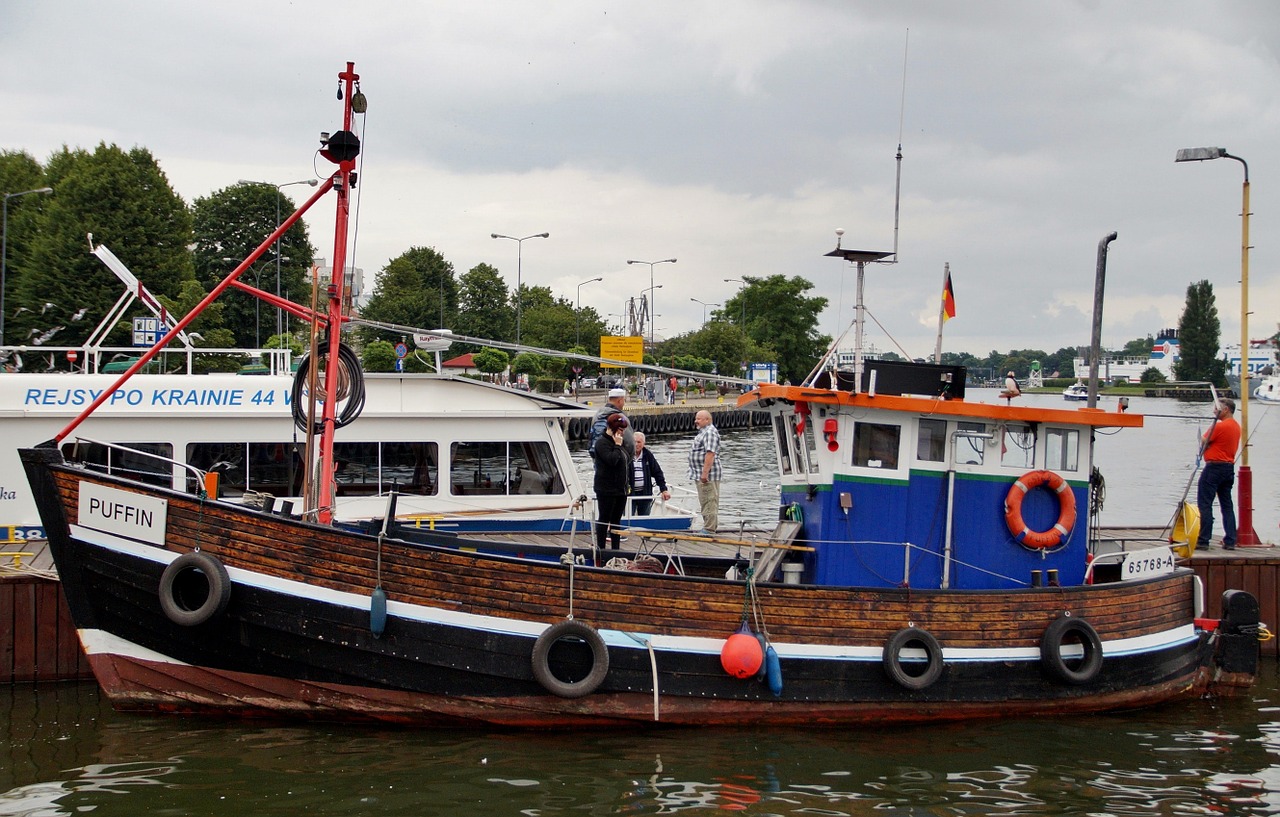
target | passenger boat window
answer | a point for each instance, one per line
(356, 468)
(1062, 449)
(410, 468)
(931, 440)
(111, 460)
(272, 468)
(504, 468)
(875, 445)
(970, 450)
(1018, 449)
(781, 424)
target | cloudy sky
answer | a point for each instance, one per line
(733, 136)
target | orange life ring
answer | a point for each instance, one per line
(1061, 529)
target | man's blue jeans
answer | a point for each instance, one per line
(1216, 481)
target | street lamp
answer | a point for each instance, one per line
(519, 263)
(742, 300)
(257, 302)
(4, 248)
(309, 182)
(652, 287)
(704, 309)
(653, 316)
(577, 315)
(1245, 534)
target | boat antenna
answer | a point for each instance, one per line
(897, 184)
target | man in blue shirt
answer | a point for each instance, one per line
(705, 470)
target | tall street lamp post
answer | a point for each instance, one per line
(519, 264)
(310, 182)
(652, 287)
(704, 308)
(577, 315)
(742, 301)
(4, 248)
(653, 316)
(1245, 533)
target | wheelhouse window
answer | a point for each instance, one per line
(1062, 449)
(970, 448)
(931, 440)
(780, 425)
(127, 463)
(875, 445)
(504, 468)
(1018, 449)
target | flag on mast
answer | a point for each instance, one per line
(948, 300)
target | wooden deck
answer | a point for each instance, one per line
(38, 640)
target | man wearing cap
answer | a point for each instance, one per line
(613, 405)
(1219, 446)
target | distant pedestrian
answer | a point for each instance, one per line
(705, 469)
(1219, 446)
(613, 471)
(645, 471)
(672, 386)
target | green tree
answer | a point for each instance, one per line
(228, 225)
(491, 361)
(548, 322)
(1199, 333)
(1139, 347)
(125, 201)
(378, 356)
(528, 363)
(484, 310)
(415, 289)
(777, 315)
(19, 172)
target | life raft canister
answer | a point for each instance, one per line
(1060, 530)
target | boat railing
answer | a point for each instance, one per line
(100, 359)
(201, 477)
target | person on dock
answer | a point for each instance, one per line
(1219, 446)
(645, 471)
(705, 469)
(613, 472)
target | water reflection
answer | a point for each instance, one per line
(66, 753)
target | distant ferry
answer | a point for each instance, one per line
(1164, 356)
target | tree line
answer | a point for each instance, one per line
(182, 251)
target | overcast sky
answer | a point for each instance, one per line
(733, 136)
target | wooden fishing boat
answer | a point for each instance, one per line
(933, 566)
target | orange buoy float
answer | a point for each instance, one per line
(741, 655)
(1060, 530)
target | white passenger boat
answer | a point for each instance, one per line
(460, 454)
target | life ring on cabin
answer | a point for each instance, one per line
(1060, 530)
(573, 631)
(194, 588)
(896, 668)
(1069, 630)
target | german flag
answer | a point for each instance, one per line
(948, 301)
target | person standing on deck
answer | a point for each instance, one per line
(645, 472)
(1219, 444)
(705, 469)
(613, 473)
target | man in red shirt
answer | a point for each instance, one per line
(1220, 444)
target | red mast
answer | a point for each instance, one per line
(342, 148)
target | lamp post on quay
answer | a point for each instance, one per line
(310, 182)
(577, 314)
(652, 287)
(742, 300)
(519, 264)
(704, 308)
(256, 269)
(4, 249)
(647, 294)
(1245, 534)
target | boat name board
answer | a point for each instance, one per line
(111, 510)
(160, 397)
(1142, 564)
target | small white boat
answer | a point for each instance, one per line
(1268, 391)
(1076, 391)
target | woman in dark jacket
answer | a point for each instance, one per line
(613, 470)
